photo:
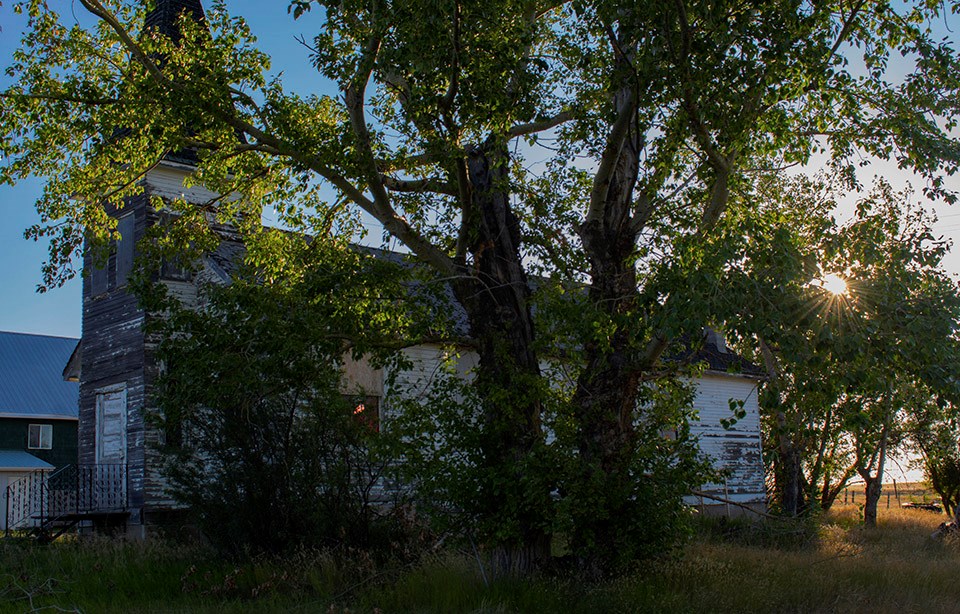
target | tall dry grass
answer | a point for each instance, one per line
(843, 568)
(834, 565)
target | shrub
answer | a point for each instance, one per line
(261, 443)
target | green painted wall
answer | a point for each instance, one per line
(13, 436)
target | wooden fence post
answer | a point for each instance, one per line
(726, 495)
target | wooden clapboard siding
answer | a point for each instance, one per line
(415, 380)
(113, 355)
(116, 352)
(736, 449)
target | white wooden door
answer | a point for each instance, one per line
(112, 426)
(108, 479)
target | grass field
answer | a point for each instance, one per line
(729, 567)
(894, 495)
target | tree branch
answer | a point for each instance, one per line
(379, 207)
(429, 184)
(540, 125)
(611, 156)
(98, 10)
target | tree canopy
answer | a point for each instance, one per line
(601, 142)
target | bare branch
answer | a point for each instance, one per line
(540, 125)
(430, 184)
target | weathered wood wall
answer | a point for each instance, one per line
(115, 351)
(113, 355)
(737, 449)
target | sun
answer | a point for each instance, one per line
(834, 284)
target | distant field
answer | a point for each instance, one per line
(730, 566)
(893, 494)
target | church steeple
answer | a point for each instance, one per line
(165, 13)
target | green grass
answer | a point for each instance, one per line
(729, 567)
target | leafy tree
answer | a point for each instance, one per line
(942, 465)
(935, 437)
(848, 369)
(906, 311)
(670, 104)
(261, 443)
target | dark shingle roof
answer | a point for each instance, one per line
(31, 382)
(712, 351)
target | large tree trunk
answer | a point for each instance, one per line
(606, 396)
(788, 466)
(789, 478)
(496, 297)
(874, 483)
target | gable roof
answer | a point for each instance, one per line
(31, 382)
(717, 357)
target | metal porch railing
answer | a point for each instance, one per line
(43, 500)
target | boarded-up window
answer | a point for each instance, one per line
(98, 277)
(172, 269)
(125, 248)
(40, 436)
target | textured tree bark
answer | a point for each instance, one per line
(874, 483)
(496, 296)
(872, 490)
(606, 396)
(788, 468)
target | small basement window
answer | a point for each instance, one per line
(40, 437)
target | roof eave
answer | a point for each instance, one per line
(22, 416)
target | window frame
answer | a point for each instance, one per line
(366, 410)
(40, 439)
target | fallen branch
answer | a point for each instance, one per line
(945, 529)
(740, 505)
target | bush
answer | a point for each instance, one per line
(261, 443)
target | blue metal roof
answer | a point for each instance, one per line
(18, 459)
(31, 381)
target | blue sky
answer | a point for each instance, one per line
(57, 312)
